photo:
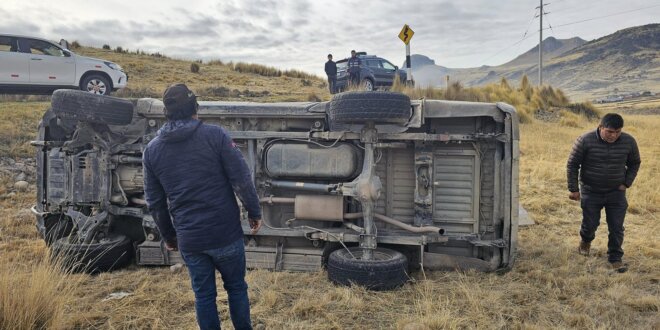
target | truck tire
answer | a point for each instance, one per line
(57, 227)
(110, 253)
(379, 107)
(82, 106)
(386, 271)
(96, 84)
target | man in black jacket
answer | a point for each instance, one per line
(607, 161)
(331, 71)
(192, 172)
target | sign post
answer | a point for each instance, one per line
(405, 35)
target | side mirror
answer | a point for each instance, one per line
(66, 53)
(396, 67)
(64, 43)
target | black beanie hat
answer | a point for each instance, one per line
(180, 102)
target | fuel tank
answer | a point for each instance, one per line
(343, 161)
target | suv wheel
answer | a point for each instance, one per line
(86, 107)
(386, 271)
(379, 107)
(368, 85)
(96, 84)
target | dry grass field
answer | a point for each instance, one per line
(550, 285)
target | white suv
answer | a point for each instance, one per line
(36, 65)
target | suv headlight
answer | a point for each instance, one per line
(114, 66)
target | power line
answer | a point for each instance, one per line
(525, 36)
(561, 25)
(599, 17)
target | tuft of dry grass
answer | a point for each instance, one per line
(527, 99)
(18, 126)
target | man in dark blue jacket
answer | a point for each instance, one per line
(354, 69)
(193, 172)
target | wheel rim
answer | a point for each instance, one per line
(368, 86)
(377, 255)
(96, 86)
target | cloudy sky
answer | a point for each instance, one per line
(300, 33)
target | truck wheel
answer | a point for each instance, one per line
(386, 271)
(108, 254)
(379, 107)
(86, 107)
(96, 84)
(57, 227)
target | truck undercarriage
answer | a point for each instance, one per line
(366, 179)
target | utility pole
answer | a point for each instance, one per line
(540, 7)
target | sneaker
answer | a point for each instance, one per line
(584, 248)
(619, 266)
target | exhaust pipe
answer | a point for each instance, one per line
(331, 208)
(402, 225)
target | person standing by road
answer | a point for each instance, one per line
(607, 161)
(192, 172)
(331, 71)
(354, 69)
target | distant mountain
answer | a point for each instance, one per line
(625, 61)
(551, 48)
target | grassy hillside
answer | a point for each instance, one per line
(149, 75)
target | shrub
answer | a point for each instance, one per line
(75, 44)
(299, 74)
(585, 109)
(312, 97)
(106, 47)
(569, 119)
(194, 67)
(259, 69)
(505, 84)
(215, 62)
(526, 88)
(119, 49)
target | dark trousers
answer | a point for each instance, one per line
(354, 78)
(615, 205)
(332, 84)
(230, 262)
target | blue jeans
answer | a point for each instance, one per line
(230, 262)
(615, 205)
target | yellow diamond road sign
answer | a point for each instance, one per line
(406, 34)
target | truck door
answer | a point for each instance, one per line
(49, 64)
(14, 67)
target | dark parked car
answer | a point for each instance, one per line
(369, 184)
(375, 73)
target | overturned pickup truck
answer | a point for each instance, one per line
(369, 185)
